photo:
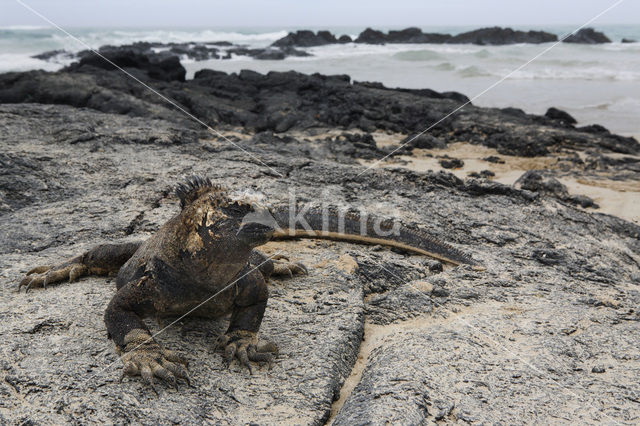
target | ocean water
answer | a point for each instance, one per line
(596, 84)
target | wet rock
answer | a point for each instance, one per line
(501, 36)
(344, 39)
(483, 36)
(137, 55)
(371, 36)
(159, 66)
(306, 38)
(556, 114)
(53, 54)
(628, 40)
(587, 36)
(415, 35)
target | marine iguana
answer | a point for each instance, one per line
(209, 248)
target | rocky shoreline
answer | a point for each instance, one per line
(549, 331)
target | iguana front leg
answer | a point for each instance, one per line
(140, 353)
(104, 259)
(241, 339)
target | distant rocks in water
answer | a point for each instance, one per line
(501, 36)
(268, 53)
(628, 40)
(408, 35)
(138, 54)
(306, 38)
(495, 36)
(51, 54)
(483, 36)
(160, 66)
(415, 35)
(371, 36)
(587, 36)
(559, 115)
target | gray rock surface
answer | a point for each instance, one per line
(548, 333)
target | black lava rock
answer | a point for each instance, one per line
(494, 159)
(483, 174)
(500, 36)
(587, 36)
(536, 181)
(425, 141)
(160, 66)
(451, 163)
(371, 36)
(306, 38)
(557, 114)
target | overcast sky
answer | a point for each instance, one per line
(300, 13)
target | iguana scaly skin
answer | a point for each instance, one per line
(206, 249)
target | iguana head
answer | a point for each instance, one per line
(213, 215)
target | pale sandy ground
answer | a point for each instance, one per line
(619, 198)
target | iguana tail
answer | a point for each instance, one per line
(352, 226)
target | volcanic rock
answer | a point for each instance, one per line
(587, 36)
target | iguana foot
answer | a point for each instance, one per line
(143, 356)
(243, 345)
(283, 267)
(41, 276)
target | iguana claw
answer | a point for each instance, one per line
(242, 345)
(41, 276)
(150, 360)
(286, 268)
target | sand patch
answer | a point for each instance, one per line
(618, 198)
(613, 197)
